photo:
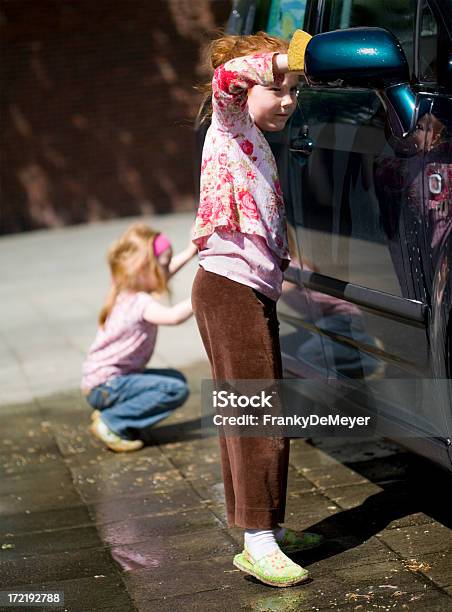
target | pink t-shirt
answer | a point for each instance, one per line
(124, 344)
(244, 258)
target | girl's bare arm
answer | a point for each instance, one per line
(168, 315)
(178, 261)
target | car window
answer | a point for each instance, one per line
(428, 45)
(285, 16)
(397, 16)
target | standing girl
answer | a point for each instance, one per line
(241, 235)
(127, 398)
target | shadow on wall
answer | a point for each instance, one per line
(98, 107)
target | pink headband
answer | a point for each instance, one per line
(161, 243)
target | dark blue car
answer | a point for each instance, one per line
(366, 169)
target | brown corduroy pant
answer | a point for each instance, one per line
(240, 332)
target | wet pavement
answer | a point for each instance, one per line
(146, 531)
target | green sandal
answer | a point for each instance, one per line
(297, 541)
(275, 569)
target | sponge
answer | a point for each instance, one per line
(297, 48)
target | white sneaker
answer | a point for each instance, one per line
(112, 440)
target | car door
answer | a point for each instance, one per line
(435, 85)
(359, 230)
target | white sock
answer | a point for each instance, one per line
(260, 542)
(279, 532)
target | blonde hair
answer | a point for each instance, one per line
(225, 48)
(127, 257)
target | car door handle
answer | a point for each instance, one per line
(301, 146)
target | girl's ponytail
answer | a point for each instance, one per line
(221, 50)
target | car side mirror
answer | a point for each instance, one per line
(364, 57)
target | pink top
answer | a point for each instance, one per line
(239, 188)
(243, 258)
(124, 345)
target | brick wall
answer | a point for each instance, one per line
(98, 107)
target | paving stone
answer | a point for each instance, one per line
(296, 599)
(356, 450)
(332, 476)
(75, 440)
(297, 484)
(16, 393)
(18, 425)
(244, 592)
(182, 452)
(22, 523)
(116, 476)
(212, 496)
(27, 502)
(142, 528)
(384, 469)
(377, 512)
(37, 481)
(304, 456)
(221, 600)
(163, 551)
(378, 575)
(181, 497)
(19, 435)
(187, 429)
(54, 541)
(429, 600)
(309, 508)
(56, 567)
(416, 518)
(209, 486)
(350, 496)
(43, 457)
(437, 567)
(199, 465)
(417, 540)
(148, 457)
(94, 490)
(340, 586)
(343, 551)
(63, 399)
(146, 585)
(334, 546)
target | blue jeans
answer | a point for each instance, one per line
(133, 403)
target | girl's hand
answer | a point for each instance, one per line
(192, 249)
(182, 258)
